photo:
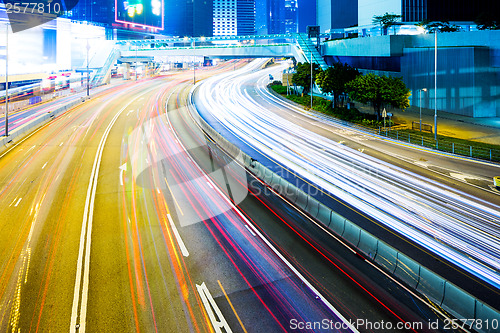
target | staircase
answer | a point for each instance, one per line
(305, 50)
(103, 73)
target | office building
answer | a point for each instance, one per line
(245, 17)
(202, 18)
(306, 14)
(447, 10)
(224, 23)
(233, 17)
(291, 16)
(102, 12)
(261, 13)
(276, 16)
(279, 16)
(337, 14)
(432, 10)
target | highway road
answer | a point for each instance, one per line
(94, 239)
(120, 215)
(355, 169)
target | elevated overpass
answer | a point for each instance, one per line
(254, 46)
(298, 46)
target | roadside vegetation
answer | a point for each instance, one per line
(325, 106)
(344, 83)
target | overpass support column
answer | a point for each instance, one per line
(126, 71)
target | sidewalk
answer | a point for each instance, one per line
(485, 130)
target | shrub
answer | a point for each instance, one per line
(279, 88)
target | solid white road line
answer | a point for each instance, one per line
(290, 266)
(86, 237)
(250, 230)
(184, 250)
(217, 319)
(280, 256)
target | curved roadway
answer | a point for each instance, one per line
(116, 216)
(375, 179)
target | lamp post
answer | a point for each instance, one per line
(88, 74)
(7, 80)
(311, 79)
(88, 60)
(136, 61)
(194, 61)
(420, 102)
(435, 83)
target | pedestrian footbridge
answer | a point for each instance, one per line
(298, 46)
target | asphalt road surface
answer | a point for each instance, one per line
(110, 224)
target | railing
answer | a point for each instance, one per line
(101, 73)
(415, 125)
(478, 152)
(309, 50)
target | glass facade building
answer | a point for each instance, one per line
(233, 17)
(447, 10)
(337, 14)
(224, 22)
(245, 17)
(281, 16)
(93, 11)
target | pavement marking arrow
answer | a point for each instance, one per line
(123, 169)
(213, 311)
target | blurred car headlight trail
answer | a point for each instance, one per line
(439, 218)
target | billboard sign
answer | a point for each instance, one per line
(144, 13)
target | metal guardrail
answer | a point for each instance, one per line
(19, 133)
(489, 154)
(415, 125)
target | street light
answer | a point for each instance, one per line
(88, 74)
(420, 97)
(194, 60)
(7, 80)
(202, 39)
(136, 61)
(435, 83)
(311, 79)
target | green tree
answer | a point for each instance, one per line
(488, 21)
(302, 77)
(386, 21)
(334, 79)
(437, 26)
(379, 91)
